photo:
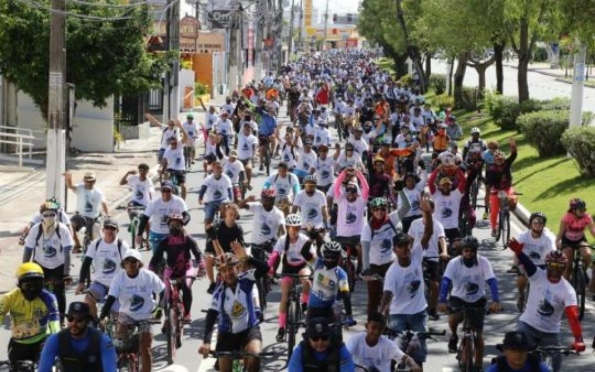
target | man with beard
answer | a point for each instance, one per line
(79, 347)
(312, 205)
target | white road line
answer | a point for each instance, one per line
(208, 364)
(446, 369)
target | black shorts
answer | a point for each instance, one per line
(180, 175)
(288, 269)
(18, 351)
(79, 221)
(567, 243)
(263, 140)
(237, 341)
(476, 318)
(434, 270)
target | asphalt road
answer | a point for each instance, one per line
(187, 358)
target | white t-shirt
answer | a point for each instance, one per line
(283, 186)
(407, 286)
(468, 283)
(235, 305)
(381, 244)
(325, 171)
(192, 132)
(135, 294)
(354, 161)
(288, 156)
(141, 190)
(175, 158)
(537, 249)
(265, 225)
(378, 356)
(106, 259)
(246, 146)
(232, 169)
(210, 120)
(217, 189)
(48, 251)
(167, 135)
(294, 252)
(350, 216)
(158, 211)
(88, 202)
(311, 207)
(306, 160)
(322, 136)
(547, 302)
(359, 145)
(416, 231)
(224, 127)
(446, 209)
(414, 196)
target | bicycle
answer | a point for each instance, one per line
(466, 350)
(20, 365)
(545, 354)
(189, 154)
(409, 342)
(261, 252)
(238, 356)
(135, 213)
(504, 218)
(265, 144)
(127, 343)
(174, 317)
(578, 280)
(348, 256)
(294, 310)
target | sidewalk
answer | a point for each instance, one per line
(22, 192)
(546, 69)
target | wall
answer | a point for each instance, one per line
(202, 64)
(186, 81)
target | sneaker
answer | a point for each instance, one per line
(433, 315)
(452, 344)
(281, 335)
(261, 168)
(513, 270)
(304, 308)
(485, 216)
(211, 288)
(187, 319)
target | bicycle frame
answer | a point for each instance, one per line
(294, 311)
(466, 350)
(127, 349)
(578, 280)
(503, 219)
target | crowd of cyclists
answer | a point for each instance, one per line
(365, 185)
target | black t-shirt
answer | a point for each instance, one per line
(226, 235)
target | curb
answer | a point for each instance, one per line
(522, 214)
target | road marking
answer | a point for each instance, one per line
(445, 369)
(207, 365)
(174, 368)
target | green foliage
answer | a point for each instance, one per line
(406, 80)
(377, 23)
(580, 143)
(438, 83)
(470, 98)
(201, 89)
(443, 101)
(104, 58)
(540, 54)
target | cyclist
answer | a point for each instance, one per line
(374, 350)
(380, 181)
(390, 155)
(325, 168)
(307, 159)
(210, 119)
(296, 250)
(157, 212)
(453, 129)
(285, 184)
(467, 275)
(537, 243)
(236, 172)
(351, 207)
(516, 358)
(268, 220)
(441, 139)
(246, 149)
(499, 178)
(311, 203)
(88, 201)
(320, 351)
(221, 235)
(177, 247)
(61, 217)
(488, 158)
(174, 165)
(377, 243)
(267, 131)
(218, 190)
(550, 294)
(233, 303)
(105, 254)
(413, 186)
(33, 313)
(330, 283)
(79, 347)
(142, 187)
(48, 244)
(225, 129)
(349, 158)
(191, 129)
(134, 288)
(571, 235)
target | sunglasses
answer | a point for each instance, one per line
(348, 150)
(166, 191)
(316, 338)
(556, 265)
(351, 191)
(49, 215)
(73, 319)
(379, 209)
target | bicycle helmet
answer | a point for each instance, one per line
(310, 179)
(475, 130)
(331, 250)
(379, 159)
(50, 205)
(538, 215)
(401, 239)
(577, 203)
(175, 217)
(227, 259)
(293, 220)
(556, 256)
(470, 242)
(379, 202)
(268, 193)
(29, 270)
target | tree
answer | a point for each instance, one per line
(103, 58)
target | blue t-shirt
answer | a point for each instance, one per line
(526, 368)
(51, 352)
(297, 365)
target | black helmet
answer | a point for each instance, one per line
(538, 215)
(470, 242)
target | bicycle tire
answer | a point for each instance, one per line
(267, 159)
(170, 331)
(578, 282)
(133, 226)
(474, 193)
(350, 273)
(291, 328)
(500, 226)
(505, 229)
(466, 355)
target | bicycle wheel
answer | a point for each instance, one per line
(467, 353)
(578, 282)
(505, 229)
(291, 328)
(474, 193)
(500, 226)
(133, 232)
(267, 159)
(339, 126)
(170, 330)
(350, 273)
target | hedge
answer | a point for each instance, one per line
(406, 80)
(438, 82)
(443, 101)
(580, 143)
(543, 130)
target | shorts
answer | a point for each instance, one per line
(99, 292)
(237, 341)
(263, 140)
(155, 239)
(180, 176)
(433, 269)
(246, 162)
(348, 241)
(413, 322)
(18, 351)
(476, 318)
(211, 209)
(126, 319)
(78, 221)
(567, 243)
(288, 269)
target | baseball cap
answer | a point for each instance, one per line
(110, 222)
(80, 309)
(189, 116)
(167, 185)
(444, 181)
(89, 176)
(318, 327)
(516, 341)
(233, 153)
(132, 253)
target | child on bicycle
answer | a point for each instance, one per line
(499, 178)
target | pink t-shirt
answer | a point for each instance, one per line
(575, 227)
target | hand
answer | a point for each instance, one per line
(204, 350)
(579, 344)
(515, 245)
(201, 273)
(424, 203)
(238, 249)
(512, 141)
(495, 307)
(399, 185)
(442, 307)
(67, 279)
(444, 256)
(79, 288)
(67, 175)
(200, 202)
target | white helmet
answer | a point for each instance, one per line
(475, 130)
(293, 220)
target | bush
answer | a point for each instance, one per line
(438, 82)
(558, 103)
(580, 143)
(201, 89)
(540, 54)
(470, 98)
(543, 130)
(443, 101)
(406, 80)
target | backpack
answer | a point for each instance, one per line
(119, 246)
(165, 130)
(40, 232)
(391, 224)
(277, 177)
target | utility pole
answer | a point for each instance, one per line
(232, 77)
(301, 33)
(174, 45)
(578, 84)
(291, 21)
(325, 27)
(56, 151)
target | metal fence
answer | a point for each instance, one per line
(155, 101)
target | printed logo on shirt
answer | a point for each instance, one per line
(312, 213)
(229, 174)
(109, 266)
(281, 191)
(415, 204)
(471, 288)
(325, 281)
(286, 157)
(386, 245)
(413, 288)
(137, 303)
(325, 174)
(88, 206)
(265, 229)
(237, 309)
(217, 194)
(245, 147)
(534, 255)
(545, 308)
(306, 165)
(446, 212)
(49, 251)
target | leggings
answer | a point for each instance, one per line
(495, 206)
(375, 287)
(185, 286)
(56, 277)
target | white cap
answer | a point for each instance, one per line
(132, 253)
